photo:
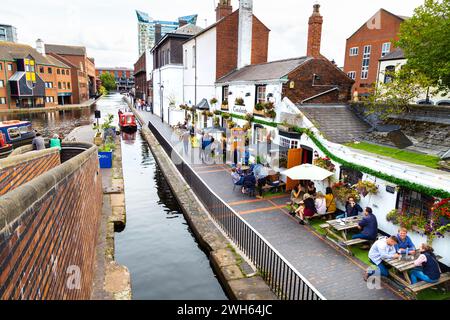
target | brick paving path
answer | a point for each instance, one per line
(334, 274)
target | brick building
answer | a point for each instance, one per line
(30, 79)
(124, 77)
(373, 40)
(141, 84)
(83, 66)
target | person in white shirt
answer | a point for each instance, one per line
(321, 203)
(383, 248)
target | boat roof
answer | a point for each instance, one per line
(11, 123)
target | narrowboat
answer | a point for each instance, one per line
(127, 122)
(17, 132)
(5, 148)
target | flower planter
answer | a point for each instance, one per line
(98, 140)
(105, 159)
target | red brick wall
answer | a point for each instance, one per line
(57, 232)
(388, 32)
(329, 75)
(227, 43)
(14, 176)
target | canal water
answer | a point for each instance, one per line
(157, 245)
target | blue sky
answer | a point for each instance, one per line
(108, 28)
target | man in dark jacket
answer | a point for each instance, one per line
(351, 209)
(368, 226)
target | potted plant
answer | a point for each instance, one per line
(217, 112)
(343, 191)
(226, 116)
(325, 163)
(259, 106)
(239, 102)
(270, 114)
(249, 117)
(216, 122)
(231, 124)
(105, 154)
(225, 104)
(247, 126)
(213, 101)
(365, 187)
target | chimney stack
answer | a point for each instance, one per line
(315, 33)
(245, 33)
(40, 46)
(223, 9)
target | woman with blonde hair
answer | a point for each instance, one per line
(321, 203)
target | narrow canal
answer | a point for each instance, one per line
(157, 245)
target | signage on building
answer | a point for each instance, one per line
(390, 189)
(239, 109)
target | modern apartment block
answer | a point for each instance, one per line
(29, 79)
(372, 41)
(8, 33)
(150, 31)
(124, 77)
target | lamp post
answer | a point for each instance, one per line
(161, 89)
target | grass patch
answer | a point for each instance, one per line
(403, 155)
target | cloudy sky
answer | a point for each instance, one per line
(108, 28)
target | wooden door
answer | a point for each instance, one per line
(294, 159)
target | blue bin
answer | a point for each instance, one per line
(105, 159)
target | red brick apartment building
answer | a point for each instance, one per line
(30, 79)
(123, 76)
(373, 40)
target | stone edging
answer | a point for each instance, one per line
(226, 262)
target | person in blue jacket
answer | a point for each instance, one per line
(404, 242)
(368, 226)
(352, 209)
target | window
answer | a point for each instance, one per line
(388, 74)
(58, 71)
(1, 66)
(10, 68)
(2, 34)
(352, 75)
(289, 143)
(14, 133)
(412, 202)
(41, 69)
(366, 62)
(49, 70)
(68, 85)
(260, 93)
(67, 72)
(354, 51)
(64, 85)
(168, 56)
(49, 99)
(225, 90)
(59, 85)
(2, 83)
(2, 100)
(385, 49)
(194, 56)
(350, 176)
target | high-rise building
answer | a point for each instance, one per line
(8, 33)
(150, 30)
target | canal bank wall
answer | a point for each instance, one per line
(237, 278)
(84, 105)
(48, 229)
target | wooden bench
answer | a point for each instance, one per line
(273, 188)
(352, 242)
(422, 285)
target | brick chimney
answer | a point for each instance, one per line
(315, 33)
(245, 33)
(223, 9)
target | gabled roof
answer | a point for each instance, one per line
(394, 55)
(265, 71)
(66, 50)
(402, 18)
(11, 51)
(189, 29)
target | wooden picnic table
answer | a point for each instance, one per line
(342, 226)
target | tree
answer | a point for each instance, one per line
(102, 90)
(394, 96)
(424, 39)
(108, 81)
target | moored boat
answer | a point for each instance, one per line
(5, 148)
(127, 122)
(17, 132)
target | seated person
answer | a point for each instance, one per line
(297, 194)
(309, 210)
(404, 242)
(352, 209)
(321, 203)
(368, 226)
(237, 179)
(311, 189)
(331, 201)
(248, 183)
(427, 267)
(383, 248)
(239, 169)
(274, 181)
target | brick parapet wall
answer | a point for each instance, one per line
(48, 232)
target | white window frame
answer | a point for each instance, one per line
(2, 100)
(2, 83)
(4, 35)
(385, 48)
(289, 143)
(366, 58)
(354, 51)
(352, 75)
(10, 67)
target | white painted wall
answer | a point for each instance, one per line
(206, 68)
(245, 33)
(435, 99)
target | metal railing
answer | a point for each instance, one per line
(284, 280)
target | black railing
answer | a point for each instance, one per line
(284, 280)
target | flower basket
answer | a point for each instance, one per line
(213, 101)
(365, 187)
(239, 102)
(325, 163)
(270, 114)
(342, 192)
(259, 107)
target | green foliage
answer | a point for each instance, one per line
(213, 101)
(403, 155)
(239, 102)
(108, 81)
(102, 90)
(425, 40)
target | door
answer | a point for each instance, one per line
(294, 159)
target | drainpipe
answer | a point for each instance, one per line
(195, 85)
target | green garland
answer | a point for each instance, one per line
(438, 193)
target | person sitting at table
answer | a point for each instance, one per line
(331, 201)
(352, 209)
(321, 203)
(296, 197)
(309, 209)
(239, 169)
(427, 267)
(404, 242)
(248, 183)
(238, 180)
(383, 248)
(311, 188)
(368, 226)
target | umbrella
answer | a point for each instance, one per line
(307, 172)
(260, 171)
